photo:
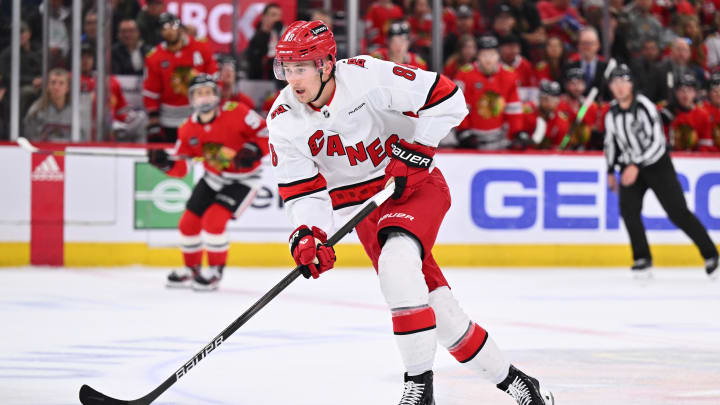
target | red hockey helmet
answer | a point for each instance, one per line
(303, 41)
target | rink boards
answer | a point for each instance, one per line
(539, 209)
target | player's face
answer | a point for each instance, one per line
(204, 96)
(398, 44)
(715, 95)
(488, 59)
(171, 33)
(508, 52)
(469, 51)
(303, 78)
(621, 88)
(576, 87)
(686, 96)
(548, 102)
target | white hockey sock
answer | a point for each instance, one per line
(403, 285)
(469, 343)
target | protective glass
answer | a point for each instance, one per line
(295, 69)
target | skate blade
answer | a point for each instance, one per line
(547, 397)
(179, 285)
(203, 287)
(714, 275)
(642, 275)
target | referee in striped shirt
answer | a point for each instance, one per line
(635, 142)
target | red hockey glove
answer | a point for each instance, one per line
(409, 165)
(309, 251)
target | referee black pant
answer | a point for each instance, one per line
(662, 179)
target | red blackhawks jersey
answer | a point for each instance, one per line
(712, 144)
(168, 75)
(218, 141)
(378, 20)
(556, 125)
(411, 58)
(527, 85)
(590, 121)
(690, 129)
(334, 158)
(492, 100)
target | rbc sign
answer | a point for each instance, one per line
(552, 199)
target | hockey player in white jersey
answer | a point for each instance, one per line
(339, 132)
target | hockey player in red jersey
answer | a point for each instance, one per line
(492, 97)
(398, 43)
(339, 132)
(169, 67)
(547, 124)
(712, 106)
(232, 139)
(570, 105)
(688, 124)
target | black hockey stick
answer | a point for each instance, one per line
(89, 396)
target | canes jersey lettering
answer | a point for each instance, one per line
(335, 157)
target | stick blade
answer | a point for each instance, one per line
(90, 396)
(25, 144)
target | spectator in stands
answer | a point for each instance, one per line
(128, 54)
(50, 117)
(466, 55)
(464, 25)
(688, 124)
(398, 45)
(712, 106)
(591, 65)
(544, 126)
(59, 35)
(570, 103)
(647, 72)
(691, 30)
(504, 23)
(527, 24)
(511, 58)
(712, 43)
(490, 91)
(561, 19)
(30, 68)
(148, 22)
(377, 22)
(228, 84)
(90, 23)
(552, 66)
(677, 65)
(260, 52)
(324, 16)
(420, 21)
(644, 25)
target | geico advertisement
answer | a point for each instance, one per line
(561, 199)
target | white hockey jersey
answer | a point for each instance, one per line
(335, 157)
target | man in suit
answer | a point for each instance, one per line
(128, 55)
(590, 63)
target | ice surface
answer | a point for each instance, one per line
(594, 336)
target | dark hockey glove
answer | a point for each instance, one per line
(155, 133)
(160, 159)
(409, 165)
(309, 251)
(248, 155)
(521, 141)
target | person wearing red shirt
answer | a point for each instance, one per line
(491, 94)
(377, 20)
(712, 106)
(231, 139)
(570, 104)
(228, 85)
(511, 58)
(546, 124)
(687, 122)
(397, 47)
(561, 19)
(169, 67)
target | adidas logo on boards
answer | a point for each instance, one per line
(48, 170)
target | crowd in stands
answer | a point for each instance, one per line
(525, 66)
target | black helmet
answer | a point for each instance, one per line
(622, 71)
(714, 80)
(487, 42)
(398, 28)
(687, 80)
(575, 73)
(168, 18)
(550, 88)
(200, 80)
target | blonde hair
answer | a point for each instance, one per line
(44, 101)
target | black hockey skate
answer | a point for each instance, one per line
(525, 389)
(182, 278)
(642, 269)
(418, 389)
(208, 279)
(711, 266)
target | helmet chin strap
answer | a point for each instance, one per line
(323, 83)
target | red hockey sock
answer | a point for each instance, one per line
(216, 241)
(190, 240)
